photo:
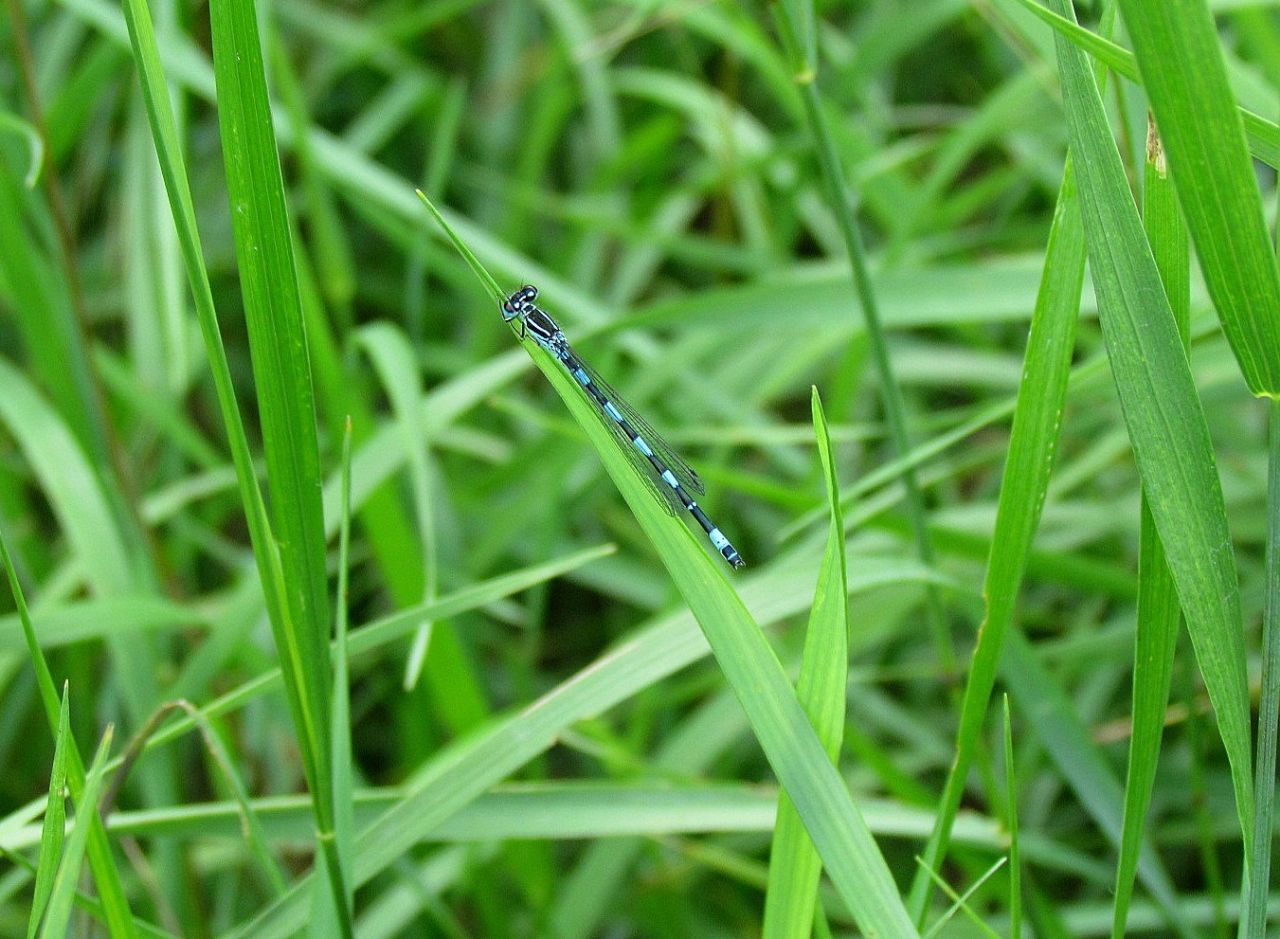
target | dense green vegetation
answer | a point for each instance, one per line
(344, 610)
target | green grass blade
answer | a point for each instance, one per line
(794, 865)
(1062, 733)
(1166, 424)
(1210, 167)
(1011, 824)
(24, 131)
(1258, 896)
(392, 357)
(58, 916)
(282, 373)
(115, 904)
(285, 396)
(66, 476)
(482, 273)
(1158, 612)
(55, 814)
(1037, 418)
(838, 195)
(343, 772)
(286, 400)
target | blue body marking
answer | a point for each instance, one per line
(655, 457)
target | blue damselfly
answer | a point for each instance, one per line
(670, 478)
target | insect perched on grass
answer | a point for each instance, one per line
(670, 478)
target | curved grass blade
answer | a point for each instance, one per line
(392, 357)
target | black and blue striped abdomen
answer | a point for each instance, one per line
(660, 468)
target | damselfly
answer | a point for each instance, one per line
(670, 478)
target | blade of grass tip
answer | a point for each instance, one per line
(1255, 917)
(890, 390)
(1165, 422)
(1156, 633)
(794, 866)
(115, 904)
(53, 830)
(1011, 822)
(481, 272)
(1214, 177)
(58, 917)
(344, 824)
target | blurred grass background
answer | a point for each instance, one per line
(650, 167)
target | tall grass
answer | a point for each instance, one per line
(374, 632)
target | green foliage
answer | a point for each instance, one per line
(401, 643)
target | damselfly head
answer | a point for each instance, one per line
(519, 302)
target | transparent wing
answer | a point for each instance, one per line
(661, 491)
(664, 494)
(661, 449)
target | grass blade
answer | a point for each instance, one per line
(794, 865)
(462, 771)
(273, 315)
(392, 357)
(1011, 823)
(344, 826)
(1256, 900)
(1156, 636)
(55, 814)
(58, 916)
(1162, 411)
(1033, 440)
(799, 15)
(72, 489)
